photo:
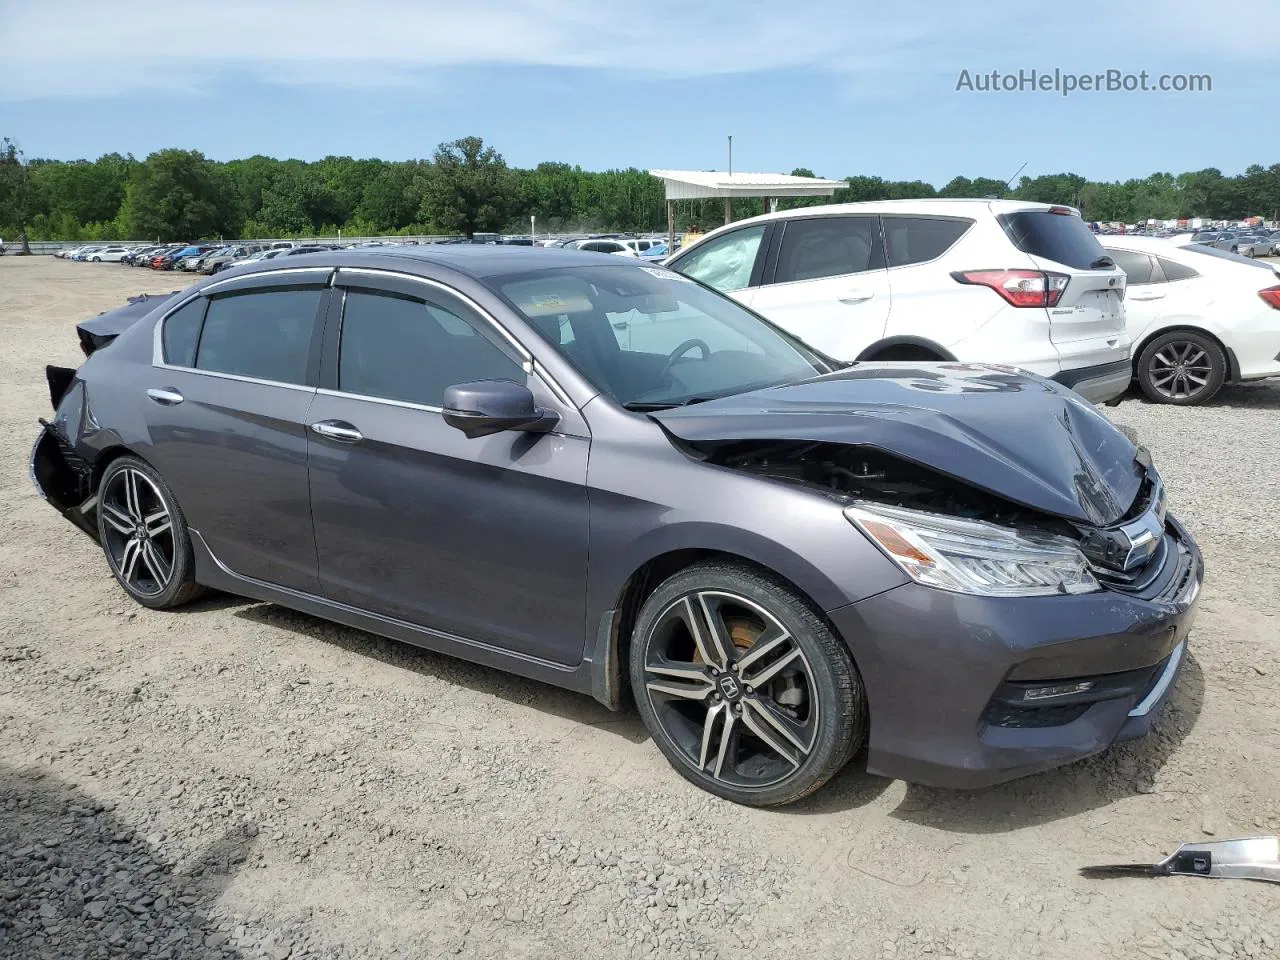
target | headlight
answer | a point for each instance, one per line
(971, 556)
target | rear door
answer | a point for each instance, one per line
(226, 409)
(1087, 326)
(826, 283)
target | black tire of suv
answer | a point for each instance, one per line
(1217, 362)
(181, 587)
(834, 680)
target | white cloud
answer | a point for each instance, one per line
(61, 48)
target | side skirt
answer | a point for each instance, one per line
(212, 572)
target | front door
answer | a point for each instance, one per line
(482, 539)
(829, 286)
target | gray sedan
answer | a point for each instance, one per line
(606, 476)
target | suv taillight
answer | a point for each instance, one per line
(1022, 288)
(1272, 296)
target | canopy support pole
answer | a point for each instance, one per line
(671, 227)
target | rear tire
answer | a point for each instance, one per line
(744, 687)
(1181, 367)
(144, 536)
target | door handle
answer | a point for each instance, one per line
(1146, 295)
(166, 395)
(338, 430)
(857, 296)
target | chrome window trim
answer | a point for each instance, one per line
(234, 376)
(406, 404)
(157, 332)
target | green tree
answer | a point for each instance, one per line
(468, 188)
(16, 195)
(178, 195)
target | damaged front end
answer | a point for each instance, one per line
(952, 535)
(60, 475)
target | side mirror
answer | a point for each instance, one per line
(484, 407)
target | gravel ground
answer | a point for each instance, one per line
(238, 780)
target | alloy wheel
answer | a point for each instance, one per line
(138, 532)
(731, 688)
(1180, 370)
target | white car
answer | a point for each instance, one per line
(107, 255)
(1199, 317)
(617, 247)
(982, 281)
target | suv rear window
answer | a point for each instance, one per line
(1062, 238)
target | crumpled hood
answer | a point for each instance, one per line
(1011, 433)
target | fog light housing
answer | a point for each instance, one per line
(1053, 691)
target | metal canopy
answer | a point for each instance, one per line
(704, 185)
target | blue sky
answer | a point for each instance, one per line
(839, 87)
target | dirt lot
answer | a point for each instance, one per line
(238, 780)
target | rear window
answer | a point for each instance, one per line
(1062, 238)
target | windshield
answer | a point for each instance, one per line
(651, 338)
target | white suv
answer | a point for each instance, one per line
(984, 281)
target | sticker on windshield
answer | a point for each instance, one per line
(663, 274)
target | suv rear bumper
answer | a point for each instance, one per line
(1100, 383)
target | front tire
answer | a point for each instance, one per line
(745, 689)
(144, 536)
(1182, 367)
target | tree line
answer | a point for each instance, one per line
(467, 187)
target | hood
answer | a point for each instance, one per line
(98, 331)
(1011, 433)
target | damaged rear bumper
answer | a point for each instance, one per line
(63, 480)
(965, 692)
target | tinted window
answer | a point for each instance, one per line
(1137, 266)
(181, 331)
(724, 262)
(264, 334)
(1062, 238)
(1176, 271)
(918, 239)
(402, 349)
(816, 247)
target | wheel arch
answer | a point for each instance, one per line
(1233, 364)
(907, 345)
(616, 625)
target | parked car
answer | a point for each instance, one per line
(221, 259)
(84, 253)
(602, 245)
(258, 257)
(107, 254)
(169, 260)
(1260, 245)
(1235, 243)
(1199, 318)
(782, 557)
(137, 253)
(972, 280)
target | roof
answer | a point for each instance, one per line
(704, 184)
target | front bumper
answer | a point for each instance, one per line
(1100, 383)
(936, 665)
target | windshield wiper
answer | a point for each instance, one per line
(1102, 262)
(639, 406)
